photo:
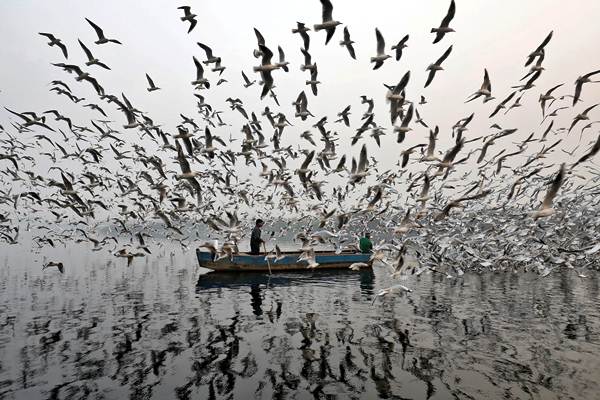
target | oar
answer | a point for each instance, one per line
(266, 254)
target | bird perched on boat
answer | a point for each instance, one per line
(328, 24)
(188, 16)
(445, 25)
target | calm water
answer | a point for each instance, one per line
(161, 329)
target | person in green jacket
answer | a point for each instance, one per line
(365, 243)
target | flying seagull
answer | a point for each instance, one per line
(101, 38)
(437, 66)
(91, 59)
(579, 84)
(400, 46)
(444, 26)
(152, 87)
(328, 23)
(55, 41)
(381, 56)
(188, 16)
(348, 43)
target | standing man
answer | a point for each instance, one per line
(365, 244)
(255, 240)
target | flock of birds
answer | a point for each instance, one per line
(426, 215)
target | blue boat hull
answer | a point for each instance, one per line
(247, 262)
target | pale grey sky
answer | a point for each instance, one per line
(496, 35)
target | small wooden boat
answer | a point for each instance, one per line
(247, 262)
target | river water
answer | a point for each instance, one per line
(162, 329)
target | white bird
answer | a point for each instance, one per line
(437, 66)
(381, 56)
(152, 87)
(444, 26)
(546, 209)
(188, 16)
(101, 38)
(328, 23)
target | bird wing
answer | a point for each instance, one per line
(445, 55)
(449, 15)
(98, 30)
(259, 37)
(363, 160)
(87, 51)
(246, 80)
(307, 57)
(267, 54)
(327, 10)
(183, 162)
(150, 82)
(380, 42)
(199, 69)
(430, 77)
(556, 183)
(206, 49)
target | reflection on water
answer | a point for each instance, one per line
(160, 329)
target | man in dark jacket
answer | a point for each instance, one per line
(255, 240)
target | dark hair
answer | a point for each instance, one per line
(259, 221)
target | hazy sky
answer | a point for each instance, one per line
(496, 35)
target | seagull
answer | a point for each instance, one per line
(328, 23)
(200, 81)
(152, 87)
(437, 66)
(444, 26)
(547, 96)
(430, 155)
(595, 149)
(91, 59)
(265, 70)
(282, 63)
(502, 104)
(58, 265)
(55, 41)
(210, 58)
(546, 209)
(539, 52)
(307, 61)
(313, 82)
(302, 29)
(357, 173)
(400, 46)
(188, 16)
(582, 116)
(348, 43)
(100, 33)
(381, 56)
(579, 84)
(485, 90)
(403, 128)
(247, 82)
